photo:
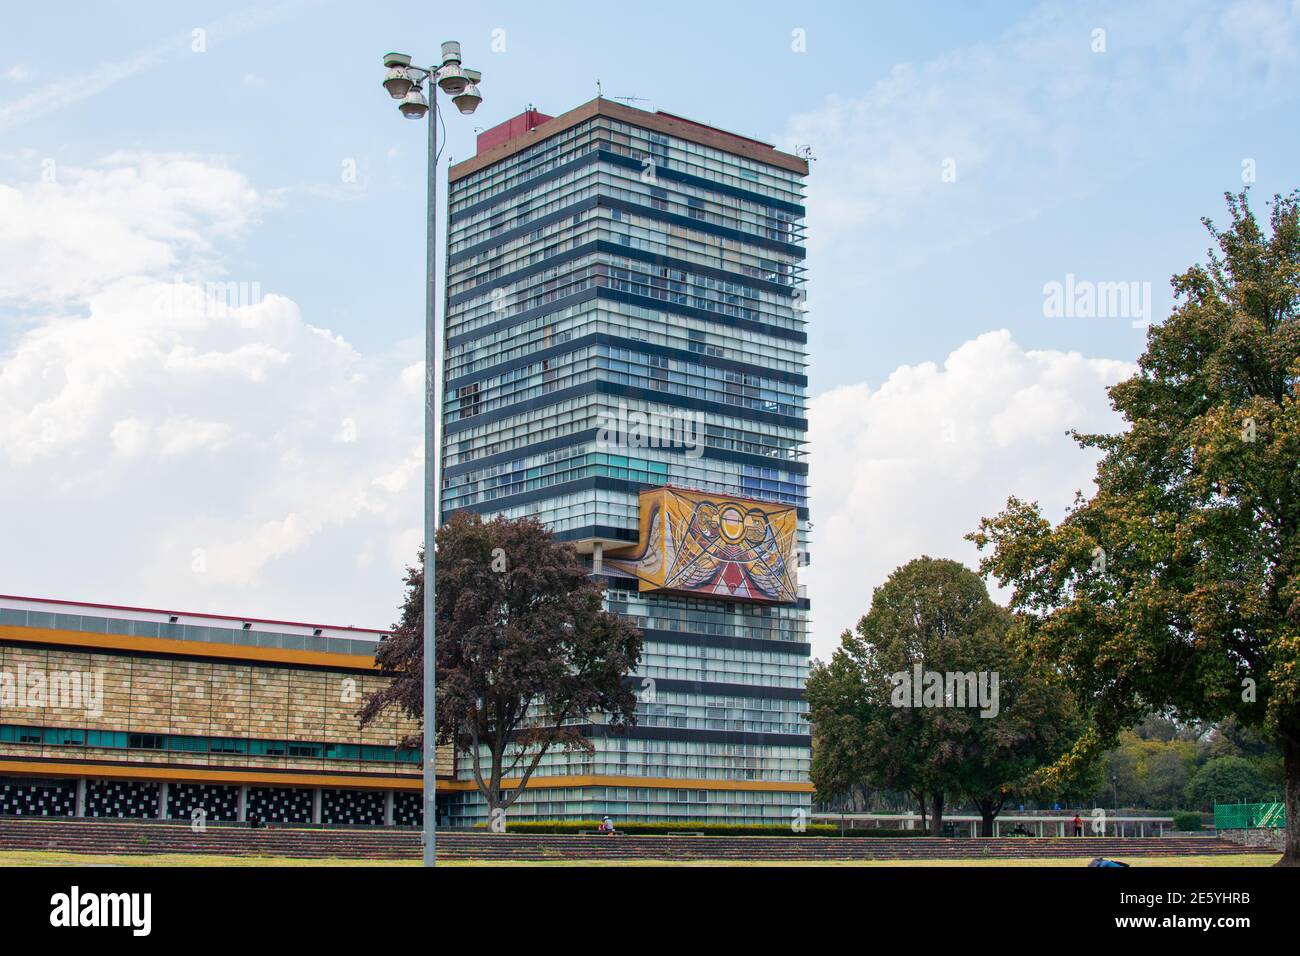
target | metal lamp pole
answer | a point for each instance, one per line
(404, 83)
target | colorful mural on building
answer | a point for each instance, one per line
(697, 543)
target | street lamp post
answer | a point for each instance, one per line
(405, 83)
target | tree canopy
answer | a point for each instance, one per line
(934, 616)
(526, 653)
(1227, 780)
(1175, 585)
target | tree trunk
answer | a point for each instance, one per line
(1291, 798)
(936, 821)
(920, 799)
(987, 816)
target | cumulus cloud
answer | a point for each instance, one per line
(189, 441)
(907, 468)
(198, 443)
(78, 231)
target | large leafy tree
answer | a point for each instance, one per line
(1227, 780)
(938, 614)
(1175, 584)
(527, 655)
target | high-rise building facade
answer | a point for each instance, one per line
(625, 358)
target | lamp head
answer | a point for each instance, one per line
(468, 99)
(452, 79)
(413, 104)
(398, 82)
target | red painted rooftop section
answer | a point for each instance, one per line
(515, 126)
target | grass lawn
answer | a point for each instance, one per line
(56, 858)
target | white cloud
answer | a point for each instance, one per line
(252, 361)
(910, 467)
(412, 378)
(134, 214)
(171, 446)
(183, 436)
(403, 548)
(132, 437)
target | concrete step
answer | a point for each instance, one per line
(148, 837)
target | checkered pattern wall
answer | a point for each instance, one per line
(279, 805)
(121, 798)
(38, 798)
(219, 804)
(352, 807)
(408, 809)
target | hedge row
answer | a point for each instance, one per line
(708, 829)
(1187, 821)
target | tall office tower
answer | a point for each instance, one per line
(625, 358)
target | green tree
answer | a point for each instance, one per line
(1165, 779)
(1227, 780)
(936, 616)
(527, 655)
(1121, 784)
(1175, 585)
(1231, 739)
(1164, 728)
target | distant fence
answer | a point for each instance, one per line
(1249, 816)
(1092, 822)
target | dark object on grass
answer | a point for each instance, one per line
(1102, 861)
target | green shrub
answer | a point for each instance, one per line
(1187, 821)
(709, 829)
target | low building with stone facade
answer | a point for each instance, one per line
(109, 711)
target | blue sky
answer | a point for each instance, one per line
(967, 154)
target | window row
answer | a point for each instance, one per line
(186, 743)
(592, 412)
(626, 321)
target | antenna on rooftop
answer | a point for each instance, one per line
(629, 100)
(805, 153)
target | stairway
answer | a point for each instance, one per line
(149, 837)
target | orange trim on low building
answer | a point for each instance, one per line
(160, 645)
(233, 775)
